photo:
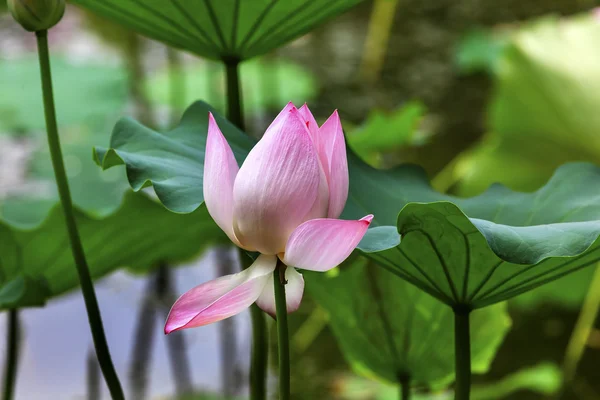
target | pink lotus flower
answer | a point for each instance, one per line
(283, 202)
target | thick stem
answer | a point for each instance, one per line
(462, 354)
(12, 354)
(378, 36)
(93, 377)
(143, 348)
(404, 388)
(282, 331)
(228, 343)
(259, 351)
(87, 287)
(582, 330)
(234, 93)
(137, 77)
(176, 344)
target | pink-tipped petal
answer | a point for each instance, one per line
(294, 289)
(279, 186)
(220, 170)
(322, 244)
(332, 148)
(222, 297)
(310, 121)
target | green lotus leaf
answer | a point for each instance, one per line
(389, 329)
(220, 29)
(138, 235)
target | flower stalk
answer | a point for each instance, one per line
(462, 354)
(234, 93)
(87, 287)
(283, 344)
(259, 351)
(12, 354)
(404, 387)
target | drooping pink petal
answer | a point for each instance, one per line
(322, 244)
(220, 170)
(222, 297)
(333, 149)
(279, 186)
(294, 289)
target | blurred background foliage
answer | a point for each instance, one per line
(475, 91)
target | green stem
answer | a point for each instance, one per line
(93, 377)
(87, 288)
(404, 388)
(259, 351)
(282, 331)
(582, 330)
(462, 354)
(234, 93)
(12, 354)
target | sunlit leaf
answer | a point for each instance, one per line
(543, 112)
(389, 329)
(221, 28)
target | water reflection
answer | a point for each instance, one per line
(56, 340)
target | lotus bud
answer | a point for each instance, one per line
(37, 15)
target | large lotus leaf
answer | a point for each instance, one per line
(173, 163)
(261, 91)
(221, 28)
(90, 93)
(512, 242)
(137, 235)
(509, 243)
(388, 328)
(543, 112)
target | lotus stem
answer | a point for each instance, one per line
(234, 93)
(228, 344)
(404, 388)
(582, 330)
(282, 331)
(260, 350)
(12, 354)
(87, 287)
(378, 36)
(93, 377)
(462, 354)
(176, 343)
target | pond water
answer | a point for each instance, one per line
(57, 340)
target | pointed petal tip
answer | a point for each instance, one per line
(367, 219)
(168, 329)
